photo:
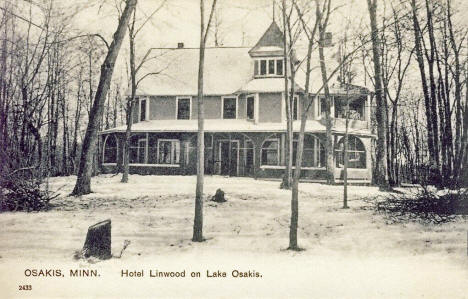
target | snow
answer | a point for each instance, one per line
(226, 69)
(348, 253)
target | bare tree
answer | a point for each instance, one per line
(217, 27)
(381, 115)
(288, 62)
(310, 34)
(83, 182)
(198, 219)
(134, 82)
(323, 12)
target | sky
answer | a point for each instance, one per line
(242, 21)
(178, 21)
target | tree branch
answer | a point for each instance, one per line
(205, 35)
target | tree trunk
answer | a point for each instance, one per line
(381, 116)
(198, 219)
(345, 154)
(287, 178)
(130, 103)
(126, 147)
(455, 152)
(427, 98)
(83, 182)
(433, 98)
(293, 244)
(330, 165)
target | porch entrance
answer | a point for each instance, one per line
(229, 157)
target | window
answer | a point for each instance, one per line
(356, 153)
(184, 108)
(322, 107)
(268, 67)
(263, 67)
(110, 149)
(313, 154)
(270, 152)
(168, 151)
(271, 67)
(208, 140)
(356, 107)
(279, 67)
(251, 107)
(229, 108)
(137, 152)
(152, 149)
(143, 109)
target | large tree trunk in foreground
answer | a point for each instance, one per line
(381, 115)
(83, 182)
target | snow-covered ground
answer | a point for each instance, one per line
(350, 253)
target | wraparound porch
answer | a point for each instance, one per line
(253, 154)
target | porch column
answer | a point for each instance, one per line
(367, 109)
(230, 155)
(120, 152)
(146, 148)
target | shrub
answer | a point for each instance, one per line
(17, 194)
(426, 206)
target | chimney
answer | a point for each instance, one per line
(180, 45)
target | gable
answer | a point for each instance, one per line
(271, 42)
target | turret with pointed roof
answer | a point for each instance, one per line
(270, 44)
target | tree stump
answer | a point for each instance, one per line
(219, 196)
(98, 240)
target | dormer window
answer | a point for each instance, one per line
(268, 67)
(263, 67)
(271, 67)
(279, 67)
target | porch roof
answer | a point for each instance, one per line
(225, 125)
